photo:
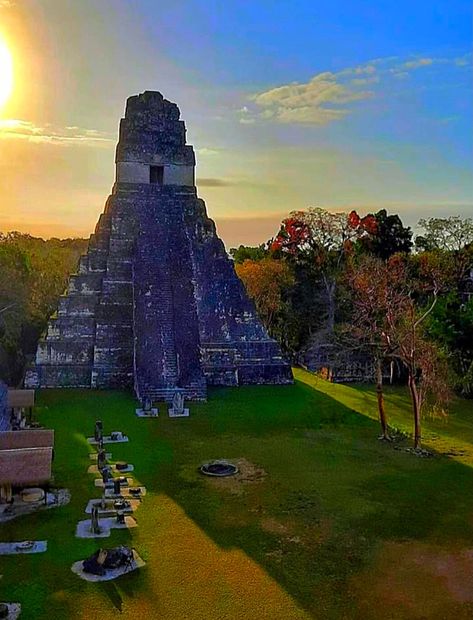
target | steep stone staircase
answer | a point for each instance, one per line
(158, 359)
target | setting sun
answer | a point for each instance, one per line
(6, 73)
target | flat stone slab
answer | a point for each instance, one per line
(183, 414)
(100, 484)
(14, 610)
(93, 456)
(141, 413)
(93, 469)
(123, 471)
(107, 524)
(14, 548)
(110, 574)
(107, 439)
(110, 510)
(83, 530)
(125, 493)
(20, 508)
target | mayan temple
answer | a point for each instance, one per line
(156, 303)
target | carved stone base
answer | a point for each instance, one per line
(175, 414)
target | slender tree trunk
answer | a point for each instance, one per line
(330, 288)
(416, 410)
(379, 392)
(331, 306)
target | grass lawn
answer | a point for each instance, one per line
(328, 523)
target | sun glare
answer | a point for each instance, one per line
(6, 73)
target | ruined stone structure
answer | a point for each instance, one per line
(4, 412)
(156, 303)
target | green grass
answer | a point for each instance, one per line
(341, 525)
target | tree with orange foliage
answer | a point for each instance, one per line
(266, 281)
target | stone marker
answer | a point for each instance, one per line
(147, 410)
(101, 459)
(106, 474)
(98, 432)
(178, 410)
(94, 521)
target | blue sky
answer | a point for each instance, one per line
(288, 104)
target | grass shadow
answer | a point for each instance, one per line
(331, 496)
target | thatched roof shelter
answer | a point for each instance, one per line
(25, 466)
(28, 438)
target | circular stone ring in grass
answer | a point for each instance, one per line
(219, 468)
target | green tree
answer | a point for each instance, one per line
(391, 236)
(451, 234)
(33, 273)
(246, 252)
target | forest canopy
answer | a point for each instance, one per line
(33, 274)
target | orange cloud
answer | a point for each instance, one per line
(14, 129)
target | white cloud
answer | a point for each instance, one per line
(309, 102)
(400, 75)
(403, 69)
(207, 152)
(463, 61)
(417, 63)
(326, 97)
(363, 81)
(368, 69)
(13, 129)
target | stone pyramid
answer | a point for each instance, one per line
(156, 303)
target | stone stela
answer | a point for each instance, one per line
(178, 410)
(156, 304)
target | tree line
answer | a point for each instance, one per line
(365, 284)
(33, 274)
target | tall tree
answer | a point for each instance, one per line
(392, 301)
(323, 240)
(368, 280)
(451, 234)
(391, 237)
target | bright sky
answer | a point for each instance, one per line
(288, 103)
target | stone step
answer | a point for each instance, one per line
(166, 394)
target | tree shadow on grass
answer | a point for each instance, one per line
(110, 589)
(384, 494)
(342, 491)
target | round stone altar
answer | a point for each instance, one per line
(33, 495)
(219, 468)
